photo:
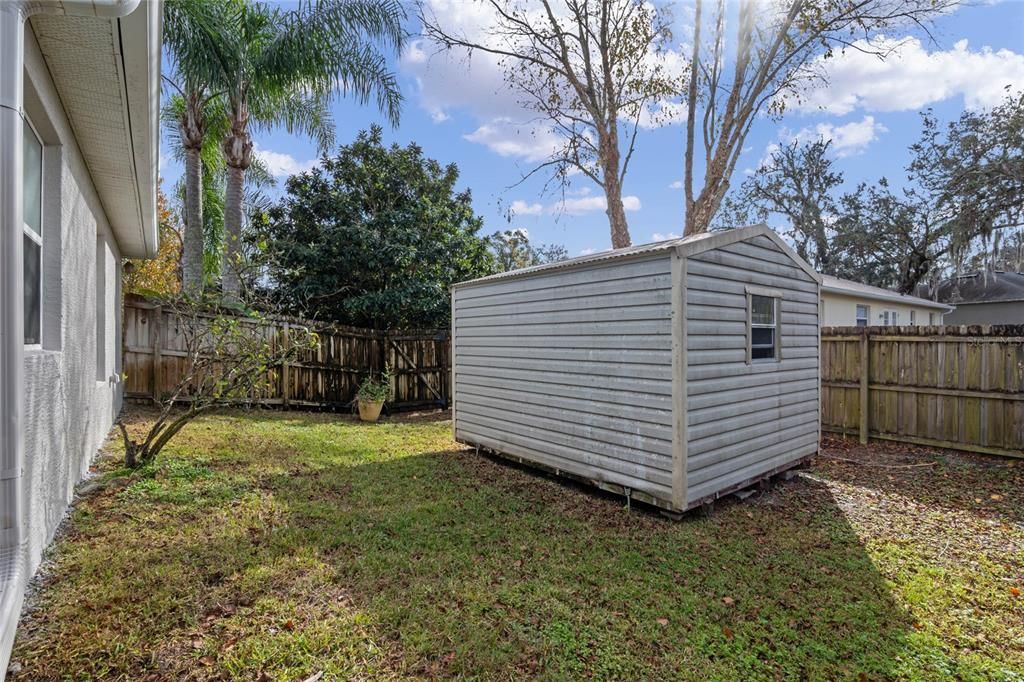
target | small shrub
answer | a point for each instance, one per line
(376, 390)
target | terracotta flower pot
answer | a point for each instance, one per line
(369, 410)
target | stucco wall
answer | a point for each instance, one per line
(69, 405)
(841, 311)
(1011, 312)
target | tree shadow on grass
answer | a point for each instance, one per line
(475, 567)
(323, 549)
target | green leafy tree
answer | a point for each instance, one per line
(280, 66)
(512, 250)
(961, 204)
(373, 237)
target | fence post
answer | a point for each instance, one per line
(156, 331)
(865, 370)
(285, 367)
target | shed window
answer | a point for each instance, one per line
(863, 315)
(32, 229)
(763, 330)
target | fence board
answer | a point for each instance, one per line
(956, 387)
(325, 377)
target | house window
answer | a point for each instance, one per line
(913, 317)
(32, 229)
(890, 317)
(101, 308)
(931, 318)
(763, 337)
(863, 313)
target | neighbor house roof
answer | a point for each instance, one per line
(980, 287)
(107, 74)
(845, 287)
(690, 245)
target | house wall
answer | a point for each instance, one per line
(1010, 312)
(70, 404)
(747, 418)
(841, 311)
(571, 369)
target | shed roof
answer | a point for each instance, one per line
(690, 245)
(982, 287)
(846, 287)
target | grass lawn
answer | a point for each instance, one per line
(276, 546)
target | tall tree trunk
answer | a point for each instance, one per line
(613, 192)
(230, 280)
(691, 116)
(237, 149)
(192, 249)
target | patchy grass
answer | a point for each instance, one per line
(270, 546)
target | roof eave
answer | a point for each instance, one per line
(140, 38)
(894, 298)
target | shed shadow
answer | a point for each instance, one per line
(473, 566)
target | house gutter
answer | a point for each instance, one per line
(13, 569)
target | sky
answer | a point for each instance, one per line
(461, 112)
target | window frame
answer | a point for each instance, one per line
(776, 325)
(867, 315)
(28, 232)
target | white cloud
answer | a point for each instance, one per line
(587, 251)
(446, 81)
(676, 184)
(506, 137)
(847, 140)
(911, 77)
(587, 204)
(281, 164)
(660, 237)
(520, 207)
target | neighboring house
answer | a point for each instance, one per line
(851, 304)
(984, 298)
(79, 103)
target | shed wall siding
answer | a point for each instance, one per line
(572, 370)
(746, 419)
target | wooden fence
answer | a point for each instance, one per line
(956, 387)
(323, 378)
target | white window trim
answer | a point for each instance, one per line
(776, 296)
(867, 314)
(32, 234)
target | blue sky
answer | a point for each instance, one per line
(460, 112)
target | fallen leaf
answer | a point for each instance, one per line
(663, 621)
(289, 624)
(1015, 591)
(996, 497)
(206, 660)
(314, 678)
(917, 625)
(728, 601)
(727, 632)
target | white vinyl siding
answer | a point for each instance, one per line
(571, 369)
(746, 419)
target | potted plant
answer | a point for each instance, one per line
(372, 395)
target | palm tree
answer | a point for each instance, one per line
(281, 67)
(195, 115)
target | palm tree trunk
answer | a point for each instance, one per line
(192, 250)
(230, 280)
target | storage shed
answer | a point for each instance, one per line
(672, 372)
